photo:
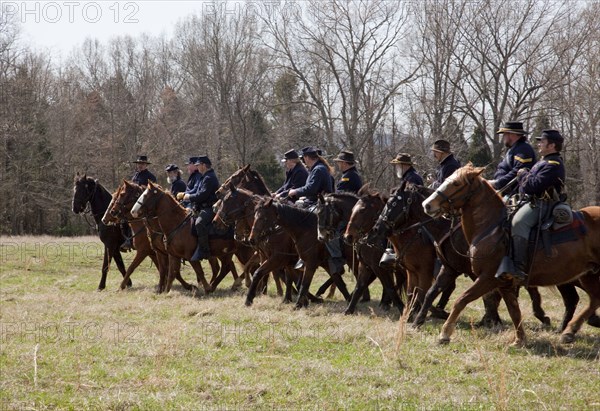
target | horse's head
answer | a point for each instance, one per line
(265, 217)
(364, 215)
(332, 210)
(146, 204)
(233, 181)
(84, 190)
(233, 207)
(454, 192)
(123, 200)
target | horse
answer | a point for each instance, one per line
(251, 180)
(483, 213)
(88, 191)
(301, 225)
(452, 248)
(176, 223)
(335, 209)
(151, 243)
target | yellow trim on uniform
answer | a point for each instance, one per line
(345, 179)
(554, 162)
(524, 160)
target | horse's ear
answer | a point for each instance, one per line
(269, 202)
(84, 176)
(479, 170)
(246, 167)
(364, 190)
(320, 198)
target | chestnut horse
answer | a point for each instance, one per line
(483, 212)
(151, 238)
(176, 223)
(88, 191)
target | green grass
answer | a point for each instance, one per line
(137, 350)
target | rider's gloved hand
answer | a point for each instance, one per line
(180, 196)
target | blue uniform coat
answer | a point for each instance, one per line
(547, 173)
(350, 181)
(520, 155)
(142, 177)
(411, 176)
(178, 186)
(445, 169)
(204, 193)
(319, 181)
(294, 178)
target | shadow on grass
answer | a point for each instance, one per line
(586, 347)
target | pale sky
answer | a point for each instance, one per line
(59, 26)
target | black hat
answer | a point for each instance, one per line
(142, 160)
(402, 158)
(192, 160)
(441, 146)
(290, 155)
(553, 136)
(515, 127)
(203, 160)
(171, 167)
(345, 156)
(310, 150)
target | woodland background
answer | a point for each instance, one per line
(376, 77)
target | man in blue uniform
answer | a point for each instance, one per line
(350, 180)
(295, 173)
(174, 178)
(193, 180)
(519, 155)
(405, 170)
(142, 175)
(203, 198)
(447, 163)
(543, 182)
(319, 178)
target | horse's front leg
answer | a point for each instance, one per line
(482, 285)
(511, 299)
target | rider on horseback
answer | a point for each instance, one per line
(540, 185)
(448, 164)
(295, 174)
(141, 177)
(350, 180)
(193, 180)
(174, 178)
(519, 155)
(203, 197)
(319, 179)
(405, 169)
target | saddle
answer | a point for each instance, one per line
(560, 225)
(213, 232)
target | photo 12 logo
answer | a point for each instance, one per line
(69, 11)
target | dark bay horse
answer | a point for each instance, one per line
(86, 191)
(301, 225)
(335, 209)
(176, 223)
(452, 248)
(150, 241)
(483, 211)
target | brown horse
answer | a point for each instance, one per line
(301, 225)
(88, 191)
(176, 224)
(336, 209)
(483, 211)
(147, 236)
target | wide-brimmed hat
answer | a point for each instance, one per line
(310, 150)
(553, 136)
(402, 158)
(203, 160)
(441, 146)
(515, 127)
(290, 155)
(171, 167)
(191, 160)
(345, 156)
(142, 160)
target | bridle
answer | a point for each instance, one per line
(147, 205)
(229, 218)
(452, 200)
(331, 215)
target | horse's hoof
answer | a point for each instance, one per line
(99, 289)
(439, 313)
(567, 338)
(349, 312)
(444, 340)
(594, 321)
(248, 303)
(546, 321)
(286, 301)
(419, 321)
(518, 343)
(385, 307)
(315, 301)
(487, 322)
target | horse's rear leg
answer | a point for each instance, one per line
(261, 272)
(121, 265)
(536, 304)
(491, 302)
(105, 266)
(323, 288)
(363, 279)
(226, 267)
(570, 299)
(511, 299)
(591, 284)
(215, 268)
(481, 286)
(137, 260)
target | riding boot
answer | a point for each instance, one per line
(128, 243)
(388, 259)
(520, 248)
(336, 265)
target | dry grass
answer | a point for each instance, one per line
(65, 346)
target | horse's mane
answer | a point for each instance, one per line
(343, 195)
(464, 173)
(294, 214)
(260, 178)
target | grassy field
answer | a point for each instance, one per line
(65, 346)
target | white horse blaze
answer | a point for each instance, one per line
(138, 204)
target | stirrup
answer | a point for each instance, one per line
(299, 264)
(388, 259)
